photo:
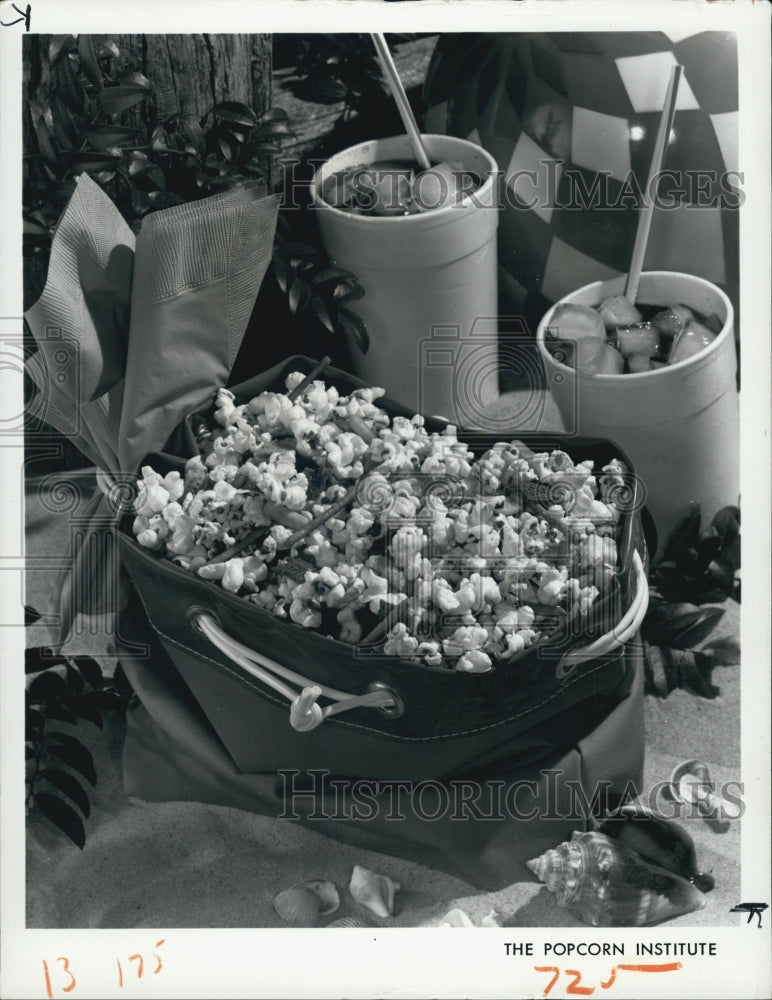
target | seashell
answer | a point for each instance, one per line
(660, 841)
(374, 891)
(298, 906)
(354, 921)
(327, 894)
(456, 918)
(692, 784)
(605, 884)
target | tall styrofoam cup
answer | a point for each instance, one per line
(430, 283)
(678, 424)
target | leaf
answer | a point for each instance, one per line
(107, 700)
(60, 45)
(90, 669)
(30, 615)
(695, 673)
(348, 290)
(330, 275)
(225, 148)
(63, 816)
(135, 79)
(723, 652)
(354, 327)
(92, 162)
(149, 173)
(140, 201)
(61, 714)
(322, 91)
(299, 295)
(106, 136)
(115, 99)
(84, 710)
(274, 115)
(281, 268)
(72, 752)
(107, 49)
(42, 122)
(47, 685)
(39, 658)
(726, 524)
(74, 678)
(70, 87)
(34, 723)
(272, 130)
(235, 111)
(66, 132)
(164, 199)
(319, 307)
(88, 60)
(71, 787)
(121, 681)
(679, 626)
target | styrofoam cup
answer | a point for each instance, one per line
(679, 424)
(430, 301)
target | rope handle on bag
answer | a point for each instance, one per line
(305, 711)
(621, 633)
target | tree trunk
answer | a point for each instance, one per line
(190, 73)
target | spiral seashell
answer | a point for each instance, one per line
(456, 918)
(605, 884)
(660, 841)
(351, 921)
(303, 904)
(374, 891)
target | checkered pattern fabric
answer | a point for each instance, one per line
(571, 119)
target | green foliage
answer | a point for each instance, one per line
(102, 121)
(65, 689)
(695, 569)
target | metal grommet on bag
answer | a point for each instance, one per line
(193, 613)
(396, 709)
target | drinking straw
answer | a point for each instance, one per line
(400, 98)
(658, 157)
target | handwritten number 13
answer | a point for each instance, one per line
(65, 968)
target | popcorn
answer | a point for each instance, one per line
(462, 565)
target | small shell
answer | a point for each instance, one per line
(492, 919)
(298, 906)
(456, 918)
(374, 891)
(692, 784)
(327, 894)
(354, 921)
(605, 884)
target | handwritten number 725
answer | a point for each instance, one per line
(574, 989)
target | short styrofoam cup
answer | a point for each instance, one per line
(430, 282)
(678, 424)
